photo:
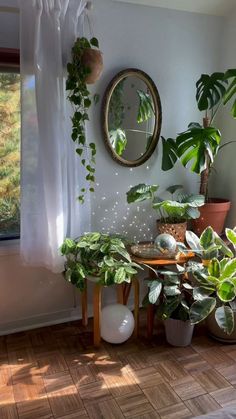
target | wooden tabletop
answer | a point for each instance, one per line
(161, 262)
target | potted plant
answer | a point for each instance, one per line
(173, 295)
(200, 144)
(98, 257)
(216, 295)
(85, 67)
(207, 246)
(172, 214)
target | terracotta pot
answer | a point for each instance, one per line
(212, 214)
(177, 230)
(217, 333)
(178, 333)
(92, 58)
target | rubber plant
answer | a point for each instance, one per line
(80, 98)
(216, 291)
(199, 145)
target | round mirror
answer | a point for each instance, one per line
(131, 117)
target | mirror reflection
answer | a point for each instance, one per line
(132, 117)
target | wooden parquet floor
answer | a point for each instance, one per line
(54, 372)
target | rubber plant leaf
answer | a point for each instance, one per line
(225, 318)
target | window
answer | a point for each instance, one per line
(9, 144)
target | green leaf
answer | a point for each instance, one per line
(172, 189)
(120, 275)
(94, 42)
(207, 238)
(171, 290)
(118, 140)
(169, 154)
(155, 288)
(141, 192)
(109, 261)
(229, 269)
(225, 319)
(96, 98)
(201, 309)
(231, 235)
(194, 144)
(226, 290)
(210, 90)
(145, 110)
(200, 293)
(223, 248)
(214, 268)
(193, 240)
(79, 151)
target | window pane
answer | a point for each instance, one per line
(9, 155)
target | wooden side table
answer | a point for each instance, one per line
(123, 292)
(157, 263)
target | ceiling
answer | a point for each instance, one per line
(210, 7)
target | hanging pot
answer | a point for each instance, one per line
(178, 333)
(212, 214)
(92, 58)
(177, 230)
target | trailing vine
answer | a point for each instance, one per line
(79, 97)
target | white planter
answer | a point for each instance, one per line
(92, 278)
(178, 333)
(217, 333)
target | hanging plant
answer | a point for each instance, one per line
(85, 68)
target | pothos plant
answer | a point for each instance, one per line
(98, 255)
(79, 97)
(199, 145)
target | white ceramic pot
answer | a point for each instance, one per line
(217, 333)
(178, 333)
(93, 278)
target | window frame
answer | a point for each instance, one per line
(9, 60)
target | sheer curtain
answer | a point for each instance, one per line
(50, 172)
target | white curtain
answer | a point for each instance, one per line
(51, 176)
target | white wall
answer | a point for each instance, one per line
(223, 181)
(174, 48)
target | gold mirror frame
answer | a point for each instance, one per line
(158, 115)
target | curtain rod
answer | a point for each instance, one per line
(7, 9)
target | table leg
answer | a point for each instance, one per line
(97, 293)
(84, 305)
(150, 319)
(135, 283)
(120, 294)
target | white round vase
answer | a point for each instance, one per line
(117, 323)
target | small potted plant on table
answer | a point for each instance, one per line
(173, 214)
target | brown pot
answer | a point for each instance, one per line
(177, 230)
(212, 214)
(92, 58)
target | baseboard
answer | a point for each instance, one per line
(47, 319)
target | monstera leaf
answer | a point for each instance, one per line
(231, 91)
(210, 90)
(196, 145)
(145, 110)
(169, 154)
(118, 140)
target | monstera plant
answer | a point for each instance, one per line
(198, 146)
